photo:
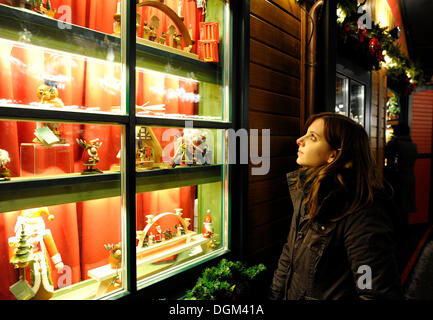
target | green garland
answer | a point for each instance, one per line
(229, 280)
(375, 47)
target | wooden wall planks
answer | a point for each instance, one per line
(276, 83)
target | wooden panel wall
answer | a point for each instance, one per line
(378, 111)
(276, 79)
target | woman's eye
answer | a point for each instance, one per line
(313, 138)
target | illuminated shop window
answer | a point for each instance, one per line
(63, 244)
(68, 150)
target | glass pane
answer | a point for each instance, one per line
(53, 149)
(98, 16)
(163, 148)
(179, 226)
(180, 59)
(182, 208)
(341, 95)
(357, 98)
(70, 251)
(71, 63)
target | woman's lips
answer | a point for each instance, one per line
(299, 152)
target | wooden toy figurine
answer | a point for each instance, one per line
(36, 283)
(4, 160)
(146, 31)
(162, 39)
(177, 41)
(152, 34)
(171, 34)
(90, 157)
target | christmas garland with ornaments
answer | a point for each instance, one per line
(375, 47)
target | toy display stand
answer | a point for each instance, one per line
(37, 159)
(152, 253)
(145, 164)
(90, 169)
(167, 48)
(173, 16)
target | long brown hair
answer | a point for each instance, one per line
(351, 143)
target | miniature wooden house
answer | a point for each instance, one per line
(209, 31)
(208, 43)
(208, 50)
(148, 149)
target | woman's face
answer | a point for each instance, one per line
(313, 149)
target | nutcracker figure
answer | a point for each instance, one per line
(37, 274)
(207, 229)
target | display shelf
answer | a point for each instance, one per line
(23, 113)
(85, 290)
(54, 34)
(104, 274)
(180, 123)
(24, 193)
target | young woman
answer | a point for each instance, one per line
(340, 243)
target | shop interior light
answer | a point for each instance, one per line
(341, 15)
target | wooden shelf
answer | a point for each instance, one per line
(14, 112)
(24, 193)
(54, 34)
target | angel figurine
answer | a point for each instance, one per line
(48, 94)
(90, 157)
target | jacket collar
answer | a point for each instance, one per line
(332, 200)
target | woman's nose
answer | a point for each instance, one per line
(299, 141)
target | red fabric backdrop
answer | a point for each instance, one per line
(80, 230)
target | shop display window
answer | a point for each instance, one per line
(82, 71)
(64, 243)
(350, 98)
(169, 148)
(72, 136)
(177, 227)
(50, 149)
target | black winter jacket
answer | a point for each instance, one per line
(333, 260)
(401, 154)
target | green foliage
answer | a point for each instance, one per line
(370, 47)
(225, 281)
(393, 107)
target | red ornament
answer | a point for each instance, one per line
(346, 27)
(375, 48)
(362, 33)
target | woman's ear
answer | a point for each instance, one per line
(332, 156)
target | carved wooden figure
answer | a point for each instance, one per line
(163, 39)
(146, 31)
(177, 41)
(154, 25)
(171, 34)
